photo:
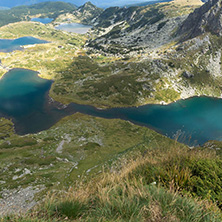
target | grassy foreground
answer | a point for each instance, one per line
(159, 184)
(76, 145)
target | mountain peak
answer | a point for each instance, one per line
(207, 18)
(87, 5)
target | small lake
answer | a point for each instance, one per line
(74, 27)
(9, 45)
(42, 20)
(24, 98)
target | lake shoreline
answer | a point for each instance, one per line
(72, 27)
(186, 119)
(109, 107)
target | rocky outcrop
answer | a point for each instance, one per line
(86, 14)
(121, 30)
(207, 18)
(135, 29)
(187, 74)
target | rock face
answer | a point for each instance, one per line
(207, 18)
(86, 14)
(18, 201)
(133, 28)
(187, 74)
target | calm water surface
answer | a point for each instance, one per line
(74, 27)
(9, 45)
(24, 98)
(42, 20)
(193, 121)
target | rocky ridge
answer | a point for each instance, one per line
(207, 18)
(134, 28)
(188, 68)
(85, 14)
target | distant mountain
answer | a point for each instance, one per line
(207, 18)
(45, 9)
(99, 3)
(4, 8)
(85, 14)
(15, 3)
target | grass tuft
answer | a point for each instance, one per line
(69, 209)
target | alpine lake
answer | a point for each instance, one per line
(68, 27)
(9, 45)
(74, 27)
(24, 99)
(42, 20)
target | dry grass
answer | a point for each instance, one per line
(187, 2)
(123, 195)
(121, 188)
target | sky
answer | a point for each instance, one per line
(99, 3)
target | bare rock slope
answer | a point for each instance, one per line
(207, 18)
(121, 30)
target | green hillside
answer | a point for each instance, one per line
(24, 13)
(153, 182)
(86, 168)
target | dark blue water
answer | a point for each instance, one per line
(42, 20)
(74, 27)
(9, 45)
(193, 121)
(24, 98)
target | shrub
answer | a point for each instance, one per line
(70, 209)
(190, 173)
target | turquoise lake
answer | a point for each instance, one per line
(9, 45)
(42, 20)
(74, 27)
(24, 99)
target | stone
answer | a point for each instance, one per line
(187, 74)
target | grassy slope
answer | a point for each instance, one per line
(120, 83)
(89, 143)
(111, 84)
(180, 7)
(44, 58)
(157, 184)
(104, 82)
(25, 13)
(151, 78)
(126, 194)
